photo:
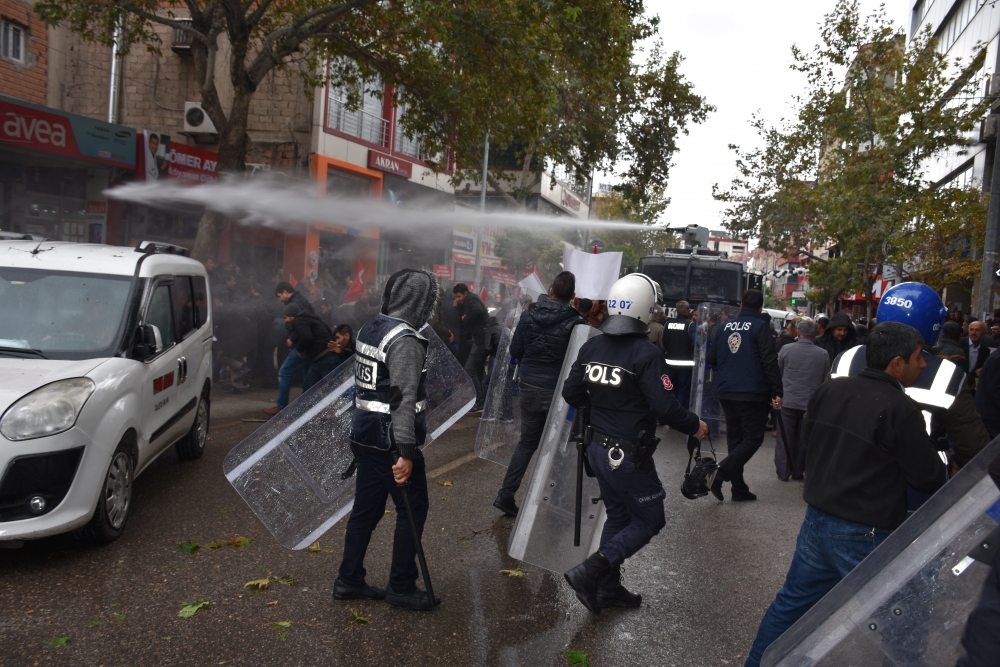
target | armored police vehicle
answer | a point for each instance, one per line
(697, 275)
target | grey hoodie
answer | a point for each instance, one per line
(412, 299)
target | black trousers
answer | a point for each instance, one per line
(791, 422)
(982, 632)
(475, 366)
(534, 403)
(745, 422)
(374, 485)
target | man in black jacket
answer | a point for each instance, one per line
(840, 335)
(539, 346)
(748, 381)
(293, 363)
(865, 441)
(474, 316)
(312, 338)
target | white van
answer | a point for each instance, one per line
(105, 362)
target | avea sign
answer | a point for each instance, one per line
(34, 130)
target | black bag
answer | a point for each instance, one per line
(698, 479)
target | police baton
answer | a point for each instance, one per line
(581, 422)
(404, 488)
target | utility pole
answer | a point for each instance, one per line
(984, 297)
(482, 210)
(117, 68)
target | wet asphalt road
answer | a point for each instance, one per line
(706, 579)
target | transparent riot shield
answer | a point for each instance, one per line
(500, 425)
(907, 603)
(543, 531)
(704, 402)
(291, 470)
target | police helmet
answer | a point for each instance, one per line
(630, 305)
(915, 304)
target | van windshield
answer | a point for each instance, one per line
(62, 315)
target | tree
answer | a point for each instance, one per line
(633, 244)
(457, 67)
(848, 172)
(518, 248)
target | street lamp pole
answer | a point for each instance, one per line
(984, 297)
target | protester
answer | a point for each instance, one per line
(583, 306)
(865, 441)
(539, 345)
(312, 337)
(950, 346)
(474, 316)
(293, 363)
(840, 335)
(977, 349)
(748, 382)
(787, 335)
(804, 367)
(342, 344)
(656, 324)
(988, 395)
(821, 323)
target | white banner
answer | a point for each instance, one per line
(595, 274)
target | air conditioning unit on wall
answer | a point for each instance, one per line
(196, 120)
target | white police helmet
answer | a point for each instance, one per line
(630, 305)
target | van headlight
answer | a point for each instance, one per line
(47, 410)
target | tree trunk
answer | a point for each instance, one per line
(232, 161)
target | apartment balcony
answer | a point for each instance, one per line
(361, 124)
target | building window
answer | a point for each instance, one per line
(365, 123)
(12, 39)
(405, 145)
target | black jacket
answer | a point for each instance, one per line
(744, 358)
(865, 439)
(985, 343)
(783, 339)
(988, 395)
(624, 380)
(540, 341)
(830, 344)
(311, 335)
(474, 316)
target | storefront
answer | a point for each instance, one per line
(54, 168)
(463, 257)
(420, 248)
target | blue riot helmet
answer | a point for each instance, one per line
(915, 304)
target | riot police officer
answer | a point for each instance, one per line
(678, 350)
(623, 378)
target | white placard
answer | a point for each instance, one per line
(595, 274)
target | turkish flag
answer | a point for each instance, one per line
(292, 280)
(357, 289)
(482, 294)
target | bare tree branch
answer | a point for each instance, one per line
(496, 185)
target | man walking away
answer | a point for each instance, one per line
(950, 347)
(293, 363)
(787, 335)
(677, 344)
(865, 441)
(474, 316)
(539, 346)
(840, 335)
(748, 382)
(387, 429)
(804, 367)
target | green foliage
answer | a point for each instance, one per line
(188, 546)
(191, 608)
(576, 658)
(848, 170)
(57, 642)
(519, 247)
(633, 245)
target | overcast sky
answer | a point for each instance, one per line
(737, 54)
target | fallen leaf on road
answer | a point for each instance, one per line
(213, 545)
(238, 541)
(272, 604)
(188, 547)
(120, 617)
(314, 547)
(576, 658)
(388, 511)
(58, 641)
(285, 579)
(223, 511)
(93, 623)
(449, 482)
(281, 624)
(191, 608)
(259, 584)
(360, 617)
(516, 572)
(168, 638)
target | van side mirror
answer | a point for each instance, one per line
(148, 342)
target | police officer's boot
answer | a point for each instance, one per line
(583, 578)
(611, 593)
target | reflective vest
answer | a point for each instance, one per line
(935, 389)
(678, 348)
(374, 396)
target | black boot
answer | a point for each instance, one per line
(342, 591)
(505, 505)
(583, 578)
(418, 599)
(611, 593)
(717, 486)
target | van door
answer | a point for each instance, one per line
(161, 408)
(191, 330)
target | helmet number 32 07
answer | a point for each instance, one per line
(619, 303)
(899, 301)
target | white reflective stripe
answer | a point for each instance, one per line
(379, 406)
(843, 368)
(927, 420)
(371, 406)
(938, 399)
(369, 350)
(942, 379)
(679, 362)
(388, 337)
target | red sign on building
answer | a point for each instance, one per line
(388, 163)
(442, 270)
(192, 165)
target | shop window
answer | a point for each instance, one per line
(12, 41)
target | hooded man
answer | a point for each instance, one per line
(387, 429)
(838, 336)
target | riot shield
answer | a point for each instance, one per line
(543, 531)
(290, 471)
(704, 402)
(500, 425)
(907, 602)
